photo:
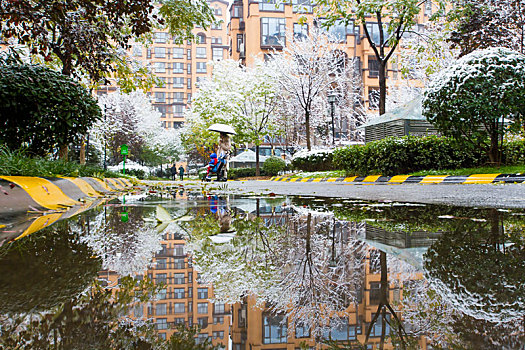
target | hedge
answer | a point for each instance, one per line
(273, 165)
(320, 161)
(405, 155)
(236, 173)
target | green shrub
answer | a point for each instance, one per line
(236, 173)
(138, 173)
(392, 156)
(19, 163)
(273, 165)
(320, 161)
(514, 152)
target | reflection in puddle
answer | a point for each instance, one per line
(268, 273)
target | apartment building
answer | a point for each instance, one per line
(257, 27)
(180, 68)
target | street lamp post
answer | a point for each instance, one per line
(331, 99)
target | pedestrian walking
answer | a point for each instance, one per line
(173, 171)
(181, 172)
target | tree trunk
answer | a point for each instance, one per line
(257, 165)
(494, 149)
(307, 125)
(82, 156)
(382, 87)
(62, 153)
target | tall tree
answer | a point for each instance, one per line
(89, 37)
(310, 68)
(392, 19)
(245, 97)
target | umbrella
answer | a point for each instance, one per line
(222, 128)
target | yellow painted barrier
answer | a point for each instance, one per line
(42, 191)
(116, 184)
(104, 185)
(480, 179)
(84, 186)
(398, 178)
(371, 178)
(40, 223)
(433, 179)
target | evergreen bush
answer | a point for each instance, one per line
(273, 165)
(318, 161)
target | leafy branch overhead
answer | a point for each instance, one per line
(88, 36)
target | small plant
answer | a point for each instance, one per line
(273, 165)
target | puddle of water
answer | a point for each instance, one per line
(274, 272)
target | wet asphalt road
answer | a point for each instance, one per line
(471, 195)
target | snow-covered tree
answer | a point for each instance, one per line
(127, 249)
(473, 99)
(244, 97)
(310, 68)
(131, 119)
(392, 19)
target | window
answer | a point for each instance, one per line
(373, 97)
(240, 43)
(160, 67)
(178, 250)
(271, 5)
(375, 293)
(202, 321)
(178, 52)
(161, 264)
(179, 308)
(216, 40)
(162, 323)
(273, 31)
(201, 67)
(178, 67)
(178, 263)
(218, 12)
(274, 329)
(378, 325)
(162, 110)
(217, 53)
(202, 293)
(217, 26)
(302, 331)
(373, 67)
(161, 37)
(188, 53)
(218, 320)
(160, 277)
(189, 98)
(237, 10)
(218, 335)
(178, 278)
(188, 83)
(201, 337)
(138, 311)
(200, 52)
(338, 32)
(428, 8)
(395, 70)
(178, 111)
(178, 320)
(302, 6)
(202, 308)
(137, 50)
(188, 68)
(178, 82)
(199, 80)
(160, 97)
(160, 82)
(148, 53)
(160, 52)
(201, 38)
(178, 293)
(160, 309)
(373, 30)
(300, 31)
(218, 308)
(162, 294)
(178, 97)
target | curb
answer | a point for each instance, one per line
(402, 179)
(29, 204)
(55, 193)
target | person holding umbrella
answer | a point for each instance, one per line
(224, 148)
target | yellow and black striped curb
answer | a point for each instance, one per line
(42, 194)
(403, 179)
(29, 204)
